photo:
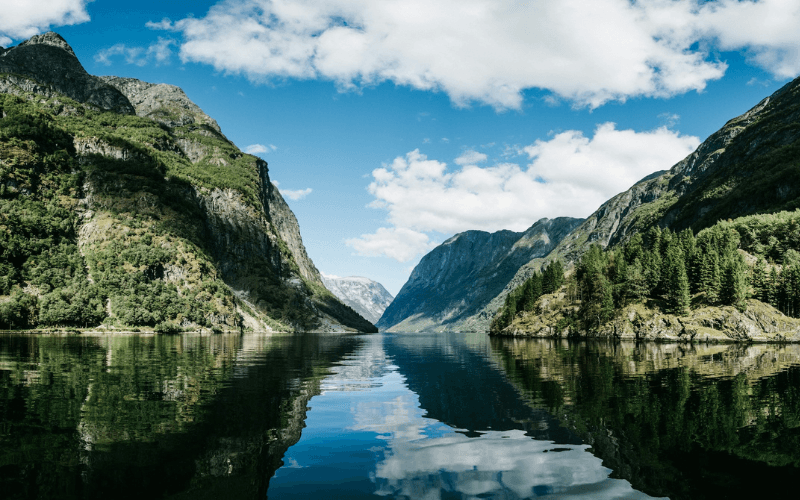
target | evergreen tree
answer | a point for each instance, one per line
(652, 271)
(552, 277)
(734, 282)
(689, 247)
(710, 277)
(758, 280)
(676, 281)
(635, 283)
(772, 287)
(634, 249)
(532, 290)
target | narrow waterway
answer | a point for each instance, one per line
(394, 416)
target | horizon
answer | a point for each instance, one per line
(387, 138)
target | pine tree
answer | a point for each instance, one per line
(758, 280)
(635, 282)
(532, 290)
(677, 283)
(652, 271)
(710, 277)
(772, 287)
(734, 282)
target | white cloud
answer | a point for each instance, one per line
(568, 175)
(471, 157)
(255, 149)
(24, 18)
(489, 51)
(399, 243)
(295, 194)
(159, 52)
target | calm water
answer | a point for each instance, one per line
(394, 416)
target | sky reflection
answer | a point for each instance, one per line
(391, 449)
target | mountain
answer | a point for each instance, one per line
(454, 281)
(368, 298)
(123, 206)
(747, 167)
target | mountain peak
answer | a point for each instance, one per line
(49, 61)
(52, 39)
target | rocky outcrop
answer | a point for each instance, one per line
(161, 102)
(368, 298)
(50, 61)
(455, 281)
(759, 322)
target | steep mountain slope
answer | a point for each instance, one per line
(123, 205)
(749, 166)
(455, 281)
(368, 298)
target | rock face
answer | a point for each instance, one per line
(758, 323)
(368, 298)
(52, 64)
(161, 102)
(453, 283)
(180, 187)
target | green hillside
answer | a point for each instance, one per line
(153, 222)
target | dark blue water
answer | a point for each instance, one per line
(394, 416)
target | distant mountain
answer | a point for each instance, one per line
(368, 298)
(123, 206)
(456, 280)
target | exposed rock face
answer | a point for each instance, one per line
(50, 61)
(368, 298)
(456, 280)
(758, 323)
(161, 102)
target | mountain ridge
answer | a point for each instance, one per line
(367, 297)
(451, 282)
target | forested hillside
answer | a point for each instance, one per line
(749, 262)
(158, 221)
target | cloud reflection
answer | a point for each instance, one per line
(425, 459)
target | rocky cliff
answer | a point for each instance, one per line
(368, 298)
(453, 283)
(153, 201)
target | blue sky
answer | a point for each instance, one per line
(390, 125)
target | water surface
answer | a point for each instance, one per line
(394, 416)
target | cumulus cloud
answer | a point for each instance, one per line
(24, 18)
(568, 175)
(158, 52)
(399, 243)
(255, 149)
(489, 51)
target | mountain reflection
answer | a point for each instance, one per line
(153, 417)
(684, 421)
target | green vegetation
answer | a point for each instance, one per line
(678, 271)
(524, 297)
(110, 234)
